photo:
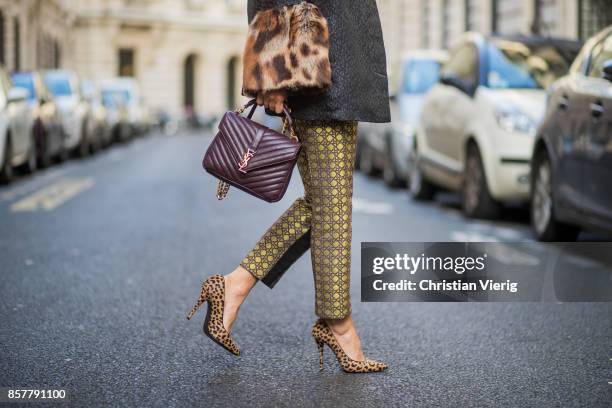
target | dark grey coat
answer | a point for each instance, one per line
(359, 88)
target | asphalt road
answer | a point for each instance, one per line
(101, 259)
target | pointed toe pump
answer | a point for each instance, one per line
(323, 335)
(213, 292)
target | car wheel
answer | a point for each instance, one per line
(390, 173)
(476, 198)
(44, 155)
(366, 160)
(6, 171)
(31, 164)
(83, 149)
(420, 188)
(63, 155)
(543, 222)
(357, 154)
(97, 145)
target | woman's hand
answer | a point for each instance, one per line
(272, 100)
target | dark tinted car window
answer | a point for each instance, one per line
(514, 64)
(463, 64)
(26, 81)
(420, 75)
(602, 52)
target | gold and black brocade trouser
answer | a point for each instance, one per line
(321, 220)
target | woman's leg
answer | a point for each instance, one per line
(331, 159)
(331, 156)
(279, 247)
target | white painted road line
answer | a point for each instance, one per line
(471, 236)
(361, 205)
(30, 185)
(53, 196)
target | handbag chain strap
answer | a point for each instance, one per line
(222, 186)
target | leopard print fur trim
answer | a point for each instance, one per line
(323, 335)
(287, 48)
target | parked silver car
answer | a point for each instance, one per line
(17, 146)
(387, 147)
(76, 112)
(129, 94)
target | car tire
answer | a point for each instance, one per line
(542, 209)
(6, 171)
(476, 199)
(420, 188)
(357, 152)
(63, 155)
(83, 148)
(31, 163)
(44, 155)
(366, 160)
(97, 144)
(390, 173)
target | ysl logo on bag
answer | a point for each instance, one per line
(245, 160)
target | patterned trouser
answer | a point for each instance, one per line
(321, 220)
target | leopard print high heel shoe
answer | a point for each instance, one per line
(323, 335)
(213, 291)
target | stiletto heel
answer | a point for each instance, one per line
(320, 345)
(213, 292)
(199, 303)
(323, 335)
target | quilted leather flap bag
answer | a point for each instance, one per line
(252, 157)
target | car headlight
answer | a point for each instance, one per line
(514, 120)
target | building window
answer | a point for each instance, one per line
(545, 17)
(445, 23)
(2, 57)
(16, 44)
(232, 71)
(506, 16)
(425, 22)
(469, 15)
(126, 62)
(593, 16)
(57, 54)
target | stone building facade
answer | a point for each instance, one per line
(412, 24)
(35, 33)
(186, 54)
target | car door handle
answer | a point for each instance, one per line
(563, 102)
(597, 109)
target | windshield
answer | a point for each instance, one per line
(114, 95)
(59, 85)
(25, 81)
(112, 98)
(513, 64)
(420, 75)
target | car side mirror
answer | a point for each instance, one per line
(458, 83)
(17, 94)
(393, 97)
(607, 70)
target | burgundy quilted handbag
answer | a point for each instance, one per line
(252, 157)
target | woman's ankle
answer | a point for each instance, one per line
(240, 282)
(341, 326)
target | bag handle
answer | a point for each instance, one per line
(287, 120)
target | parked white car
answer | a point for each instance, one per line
(76, 112)
(478, 124)
(388, 146)
(17, 145)
(128, 91)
